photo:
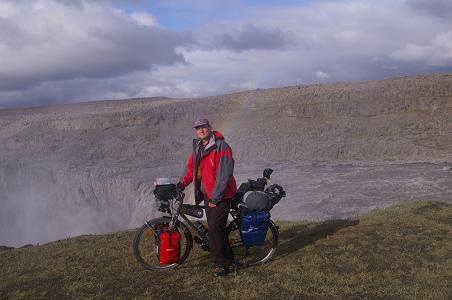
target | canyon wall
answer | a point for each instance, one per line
(88, 167)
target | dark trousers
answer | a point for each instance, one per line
(217, 219)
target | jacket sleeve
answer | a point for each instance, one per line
(224, 172)
(187, 178)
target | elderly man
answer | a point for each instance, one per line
(210, 167)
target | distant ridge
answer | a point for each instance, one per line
(400, 119)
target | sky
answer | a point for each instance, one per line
(82, 50)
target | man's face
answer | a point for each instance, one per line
(203, 132)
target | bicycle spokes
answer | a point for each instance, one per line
(255, 254)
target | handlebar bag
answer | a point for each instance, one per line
(254, 227)
(168, 244)
(165, 192)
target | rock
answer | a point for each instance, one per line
(3, 248)
(447, 168)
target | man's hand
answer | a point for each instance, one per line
(211, 204)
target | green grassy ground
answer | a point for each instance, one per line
(402, 252)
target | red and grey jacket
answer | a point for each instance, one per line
(211, 169)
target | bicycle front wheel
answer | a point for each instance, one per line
(256, 254)
(145, 244)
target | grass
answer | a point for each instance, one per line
(401, 252)
(437, 142)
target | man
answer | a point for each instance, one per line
(210, 167)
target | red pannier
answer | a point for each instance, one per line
(168, 244)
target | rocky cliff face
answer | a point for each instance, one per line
(88, 167)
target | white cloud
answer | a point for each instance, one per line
(321, 74)
(85, 50)
(54, 41)
(7, 9)
(437, 53)
(145, 19)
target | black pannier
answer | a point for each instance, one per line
(276, 193)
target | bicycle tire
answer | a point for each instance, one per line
(147, 256)
(254, 255)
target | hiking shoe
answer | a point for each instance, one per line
(221, 271)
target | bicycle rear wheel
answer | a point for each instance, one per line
(145, 247)
(255, 254)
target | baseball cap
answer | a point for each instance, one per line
(201, 122)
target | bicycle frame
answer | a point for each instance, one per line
(175, 216)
